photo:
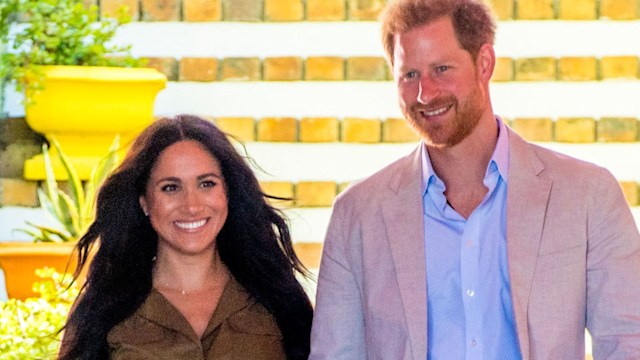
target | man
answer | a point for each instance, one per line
(478, 245)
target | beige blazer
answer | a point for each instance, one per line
(573, 250)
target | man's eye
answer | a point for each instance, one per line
(442, 68)
(411, 75)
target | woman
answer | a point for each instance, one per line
(192, 261)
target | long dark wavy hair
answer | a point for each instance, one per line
(254, 244)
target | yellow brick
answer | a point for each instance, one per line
(577, 9)
(243, 128)
(283, 68)
(319, 129)
(619, 67)
(198, 69)
(109, 8)
(535, 9)
(398, 130)
(619, 9)
(309, 253)
(503, 70)
(577, 68)
(281, 129)
(160, 10)
(365, 9)
(366, 68)
(166, 65)
(536, 69)
(201, 10)
(503, 9)
(361, 130)
(630, 189)
(575, 130)
(617, 129)
(241, 69)
(324, 68)
(283, 10)
(281, 189)
(18, 192)
(534, 129)
(242, 10)
(315, 193)
(326, 10)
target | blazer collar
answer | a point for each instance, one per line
(527, 197)
(403, 221)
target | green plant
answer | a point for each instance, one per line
(57, 32)
(74, 211)
(29, 329)
(8, 11)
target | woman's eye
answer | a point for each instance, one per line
(208, 184)
(169, 188)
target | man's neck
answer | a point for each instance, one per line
(462, 167)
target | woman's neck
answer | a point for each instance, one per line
(183, 274)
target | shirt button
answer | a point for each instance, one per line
(469, 243)
(474, 342)
(471, 293)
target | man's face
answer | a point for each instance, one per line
(440, 86)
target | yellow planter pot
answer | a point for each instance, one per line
(19, 262)
(84, 107)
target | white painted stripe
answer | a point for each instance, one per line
(378, 99)
(342, 162)
(357, 38)
(306, 224)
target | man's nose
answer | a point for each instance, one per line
(427, 90)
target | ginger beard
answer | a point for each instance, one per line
(451, 127)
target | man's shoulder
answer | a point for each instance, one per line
(556, 161)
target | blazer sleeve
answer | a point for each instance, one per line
(338, 322)
(613, 273)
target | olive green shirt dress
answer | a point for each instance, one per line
(240, 328)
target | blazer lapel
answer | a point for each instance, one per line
(527, 198)
(403, 221)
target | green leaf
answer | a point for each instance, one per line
(47, 204)
(50, 181)
(70, 218)
(77, 193)
(98, 175)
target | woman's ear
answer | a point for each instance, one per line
(143, 205)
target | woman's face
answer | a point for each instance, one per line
(186, 199)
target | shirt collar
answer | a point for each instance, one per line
(499, 159)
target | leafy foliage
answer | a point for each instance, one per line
(29, 328)
(74, 211)
(57, 32)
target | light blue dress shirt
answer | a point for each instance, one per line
(470, 314)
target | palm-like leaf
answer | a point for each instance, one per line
(74, 211)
